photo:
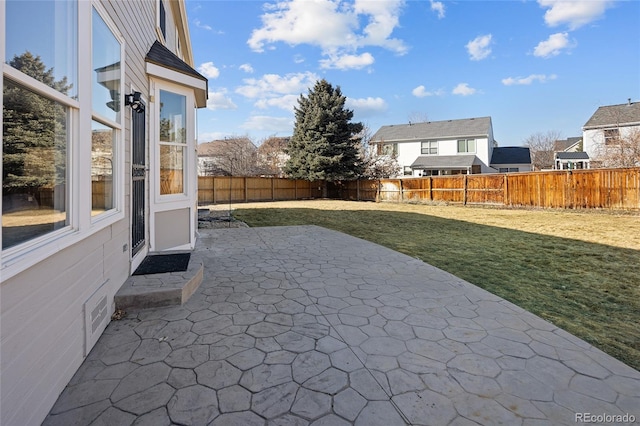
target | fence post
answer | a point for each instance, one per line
(295, 189)
(464, 189)
(401, 186)
(213, 189)
(245, 189)
(430, 188)
(273, 191)
(358, 190)
(505, 197)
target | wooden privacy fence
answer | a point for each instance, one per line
(225, 189)
(617, 189)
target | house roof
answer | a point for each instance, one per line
(439, 162)
(467, 127)
(615, 115)
(161, 56)
(572, 155)
(565, 144)
(221, 147)
(511, 155)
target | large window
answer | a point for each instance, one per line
(41, 42)
(466, 145)
(611, 136)
(430, 148)
(388, 149)
(34, 165)
(39, 101)
(173, 142)
(106, 94)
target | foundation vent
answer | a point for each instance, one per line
(96, 317)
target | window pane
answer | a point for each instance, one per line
(44, 33)
(102, 143)
(171, 167)
(471, 145)
(34, 165)
(106, 66)
(462, 146)
(173, 109)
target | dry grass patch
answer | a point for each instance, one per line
(579, 270)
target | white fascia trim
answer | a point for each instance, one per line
(200, 86)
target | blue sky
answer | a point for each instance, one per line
(533, 66)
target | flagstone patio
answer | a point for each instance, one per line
(303, 325)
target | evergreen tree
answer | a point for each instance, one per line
(34, 134)
(324, 145)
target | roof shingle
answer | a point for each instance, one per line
(615, 115)
(448, 129)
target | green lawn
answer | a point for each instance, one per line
(541, 261)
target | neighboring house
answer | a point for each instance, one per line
(439, 147)
(98, 160)
(511, 159)
(571, 160)
(572, 144)
(227, 157)
(609, 128)
(272, 156)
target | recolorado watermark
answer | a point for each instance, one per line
(604, 418)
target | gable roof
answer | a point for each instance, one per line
(222, 147)
(161, 56)
(445, 161)
(615, 115)
(579, 155)
(511, 155)
(566, 144)
(448, 129)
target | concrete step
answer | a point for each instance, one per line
(156, 290)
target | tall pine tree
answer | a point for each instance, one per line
(323, 145)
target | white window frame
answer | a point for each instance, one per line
(80, 114)
(429, 146)
(466, 146)
(117, 212)
(162, 37)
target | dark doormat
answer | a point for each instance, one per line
(162, 263)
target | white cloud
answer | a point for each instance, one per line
(209, 70)
(346, 62)
(463, 89)
(286, 102)
(219, 100)
(333, 26)
(478, 48)
(246, 68)
(553, 45)
(199, 24)
(274, 85)
(438, 6)
(298, 59)
(421, 92)
(268, 123)
(365, 107)
(542, 78)
(573, 13)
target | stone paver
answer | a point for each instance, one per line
(306, 326)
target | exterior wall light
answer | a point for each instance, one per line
(134, 100)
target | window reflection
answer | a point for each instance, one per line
(45, 32)
(171, 169)
(106, 66)
(34, 165)
(102, 143)
(173, 137)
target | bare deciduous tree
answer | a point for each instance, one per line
(418, 117)
(620, 151)
(272, 155)
(541, 145)
(236, 156)
(376, 166)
